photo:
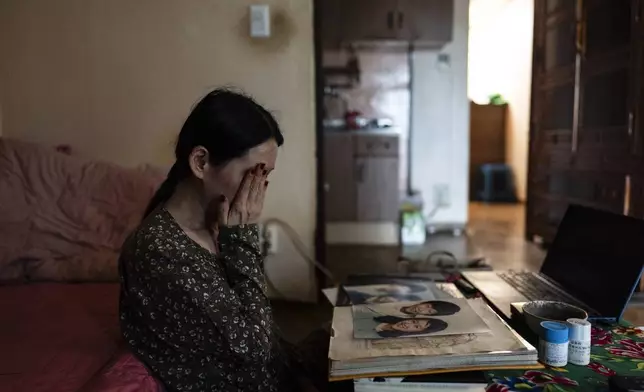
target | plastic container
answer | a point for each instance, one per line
(579, 342)
(413, 228)
(553, 344)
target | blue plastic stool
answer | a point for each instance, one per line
(495, 183)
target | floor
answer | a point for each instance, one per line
(495, 232)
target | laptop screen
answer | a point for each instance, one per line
(597, 257)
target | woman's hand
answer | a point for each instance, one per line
(249, 201)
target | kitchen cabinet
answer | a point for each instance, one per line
(425, 21)
(361, 172)
(340, 178)
(331, 18)
(368, 20)
(377, 189)
(419, 21)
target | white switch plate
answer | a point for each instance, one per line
(260, 21)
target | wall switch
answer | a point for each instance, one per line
(441, 195)
(260, 21)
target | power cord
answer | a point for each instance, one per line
(299, 247)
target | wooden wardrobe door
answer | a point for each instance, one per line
(637, 180)
(606, 108)
(605, 133)
(553, 104)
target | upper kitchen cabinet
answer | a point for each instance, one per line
(331, 22)
(368, 20)
(346, 21)
(423, 22)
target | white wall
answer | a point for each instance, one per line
(115, 80)
(440, 123)
(500, 61)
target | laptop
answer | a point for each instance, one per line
(595, 262)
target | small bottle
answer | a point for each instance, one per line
(553, 344)
(579, 344)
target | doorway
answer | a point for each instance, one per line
(499, 88)
(364, 88)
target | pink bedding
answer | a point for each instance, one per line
(64, 218)
(65, 337)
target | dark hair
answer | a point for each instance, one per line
(435, 325)
(227, 124)
(443, 308)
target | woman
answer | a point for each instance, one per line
(395, 327)
(431, 308)
(193, 296)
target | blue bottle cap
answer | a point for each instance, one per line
(554, 332)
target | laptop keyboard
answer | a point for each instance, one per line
(531, 287)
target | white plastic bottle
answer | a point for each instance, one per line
(579, 342)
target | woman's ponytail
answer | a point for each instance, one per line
(165, 191)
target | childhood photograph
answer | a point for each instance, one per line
(413, 319)
(393, 291)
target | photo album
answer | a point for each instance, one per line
(393, 327)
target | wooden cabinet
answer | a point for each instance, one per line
(340, 178)
(378, 196)
(487, 140)
(361, 177)
(420, 21)
(368, 20)
(425, 21)
(585, 110)
(331, 22)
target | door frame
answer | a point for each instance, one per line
(320, 213)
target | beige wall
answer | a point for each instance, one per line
(500, 61)
(115, 79)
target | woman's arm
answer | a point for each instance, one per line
(177, 297)
(241, 254)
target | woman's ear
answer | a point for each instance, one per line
(198, 160)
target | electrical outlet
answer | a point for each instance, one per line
(441, 195)
(269, 234)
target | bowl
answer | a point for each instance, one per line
(535, 312)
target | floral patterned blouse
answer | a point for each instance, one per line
(200, 321)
